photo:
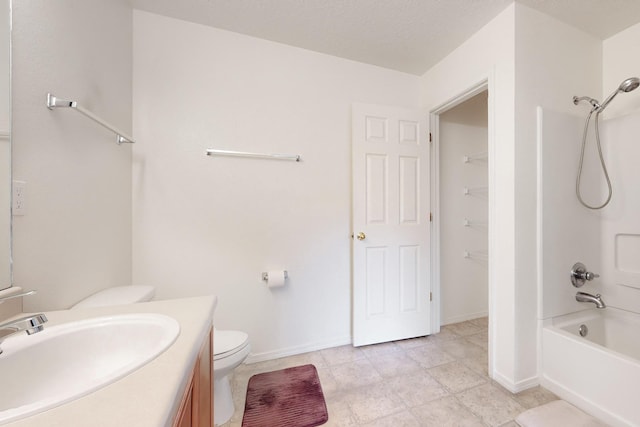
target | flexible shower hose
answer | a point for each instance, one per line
(604, 167)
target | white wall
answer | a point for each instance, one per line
(205, 225)
(526, 67)
(5, 148)
(464, 282)
(490, 55)
(568, 231)
(551, 67)
(572, 232)
(619, 62)
(76, 235)
(619, 228)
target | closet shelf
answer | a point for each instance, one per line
(473, 157)
(468, 223)
(483, 255)
(474, 190)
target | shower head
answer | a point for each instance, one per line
(629, 84)
(626, 86)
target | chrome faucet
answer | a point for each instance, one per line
(585, 297)
(31, 324)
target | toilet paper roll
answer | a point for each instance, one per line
(275, 279)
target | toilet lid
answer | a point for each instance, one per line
(226, 343)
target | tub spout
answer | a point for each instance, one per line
(585, 297)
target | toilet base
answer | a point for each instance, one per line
(223, 407)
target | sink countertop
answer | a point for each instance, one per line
(149, 396)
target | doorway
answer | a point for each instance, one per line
(463, 182)
(460, 198)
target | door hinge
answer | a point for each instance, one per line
(430, 137)
(430, 217)
(430, 296)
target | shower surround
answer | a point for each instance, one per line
(608, 242)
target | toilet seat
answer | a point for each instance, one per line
(227, 343)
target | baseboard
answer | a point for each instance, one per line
(463, 318)
(292, 351)
(516, 387)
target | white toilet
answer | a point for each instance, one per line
(230, 348)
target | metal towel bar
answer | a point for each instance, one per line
(294, 157)
(54, 102)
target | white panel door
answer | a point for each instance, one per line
(391, 264)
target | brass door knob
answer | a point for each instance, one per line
(361, 236)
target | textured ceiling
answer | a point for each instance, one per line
(600, 18)
(405, 35)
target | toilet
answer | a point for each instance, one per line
(230, 348)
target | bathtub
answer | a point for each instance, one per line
(600, 372)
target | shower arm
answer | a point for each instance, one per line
(594, 102)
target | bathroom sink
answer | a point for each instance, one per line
(70, 360)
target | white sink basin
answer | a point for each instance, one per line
(70, 360)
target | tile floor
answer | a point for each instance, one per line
(440, 380)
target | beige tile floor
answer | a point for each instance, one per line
(440, 380)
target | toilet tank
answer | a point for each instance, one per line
(118, 295)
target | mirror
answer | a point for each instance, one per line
(5, 148)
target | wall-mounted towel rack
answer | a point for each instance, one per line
(294, 157)
(478, 156)
(54, 102)
(475, 255)
(474, 190)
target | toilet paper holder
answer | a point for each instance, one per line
(265, 276)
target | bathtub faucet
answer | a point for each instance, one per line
(585, 297)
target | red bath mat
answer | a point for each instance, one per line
(289, 397)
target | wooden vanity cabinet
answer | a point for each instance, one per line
(196, 407)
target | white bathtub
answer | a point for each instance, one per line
(599, 373)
